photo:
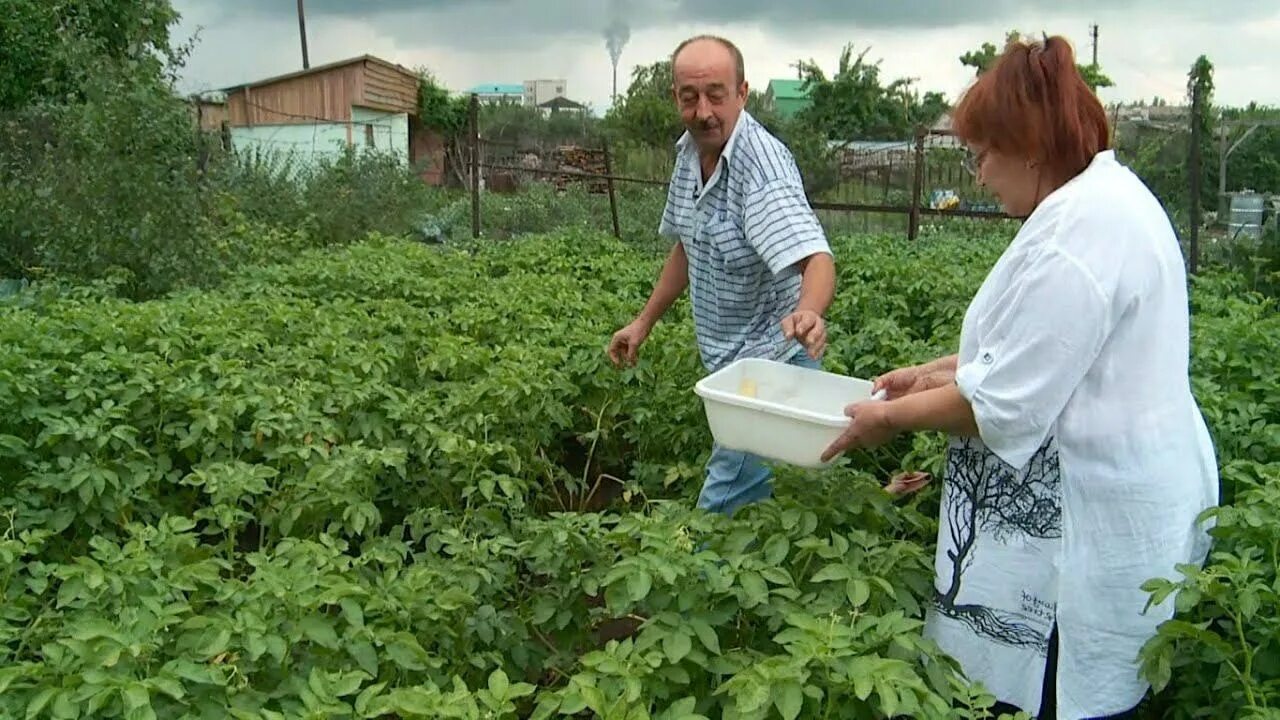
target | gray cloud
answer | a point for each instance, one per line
(511, 17)
(1148, 42)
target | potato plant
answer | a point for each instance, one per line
(394, 480)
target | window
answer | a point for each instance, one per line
(368, 134)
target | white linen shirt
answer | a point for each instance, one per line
(1093, 460)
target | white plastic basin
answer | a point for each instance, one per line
(777, 410)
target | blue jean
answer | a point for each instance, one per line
(735, 478)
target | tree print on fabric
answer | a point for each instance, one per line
(985, 494)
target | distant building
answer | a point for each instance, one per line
(786, 97)
(562, 104)
(361, 102)
(1177, 114)
(494, 93)
(537, 92)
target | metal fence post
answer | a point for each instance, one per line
(613, 199)
(917, 185)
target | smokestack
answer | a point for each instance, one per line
(615, 38)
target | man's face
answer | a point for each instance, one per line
(708, 93)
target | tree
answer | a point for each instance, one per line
(1200, 96)
(528, 128)
(647, 116)
(647, 113)
(854, 104)
(1094, 77)
(48, 50)
(1255, 163)
(448, 115)
(984, 57)
(1200, 83)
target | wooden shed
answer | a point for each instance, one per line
(361, 101)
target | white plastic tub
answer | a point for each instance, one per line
(779, 411)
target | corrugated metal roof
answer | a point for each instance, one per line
(787, 88)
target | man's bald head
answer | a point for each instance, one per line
(706, 47)
(710, 90)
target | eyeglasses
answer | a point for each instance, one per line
(972, 162)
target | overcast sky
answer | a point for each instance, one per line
(1146, 46)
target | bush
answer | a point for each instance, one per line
(121, 184)
(332, 200)
(109, 183)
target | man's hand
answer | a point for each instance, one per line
(907, 482)
(625, 345)
(809, 328)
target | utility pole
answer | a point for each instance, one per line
(1093, 33)
(302, 32)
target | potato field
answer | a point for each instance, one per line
(395, 480)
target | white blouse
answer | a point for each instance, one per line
(1093, 459)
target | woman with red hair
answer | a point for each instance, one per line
(1079, 460)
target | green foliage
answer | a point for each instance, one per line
(439, 109)
(366, 483)
(1094, 77)
(527, 127)
(1221, 656)
(104, 176)
(48, 50)
(984, 57)
(339, 487)
(332, 200)
(1255, 164)
(540, 208)
(121, 185)
(1160, 159)
(112, 181)
(646, 114)
(854, 104)
(645, 125)
(1200, 83)
(1200, 96)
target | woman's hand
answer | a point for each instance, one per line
(911, 380)
(869, 427)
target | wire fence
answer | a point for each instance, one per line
(901, 186)
(881, 186)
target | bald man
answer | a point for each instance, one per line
(757, 264)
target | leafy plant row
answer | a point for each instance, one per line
(366, 483)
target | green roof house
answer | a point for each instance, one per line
(786, 97)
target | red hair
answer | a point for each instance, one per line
(1034, 104)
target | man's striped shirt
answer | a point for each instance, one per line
(743, 232)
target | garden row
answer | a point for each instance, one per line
(397, 480)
